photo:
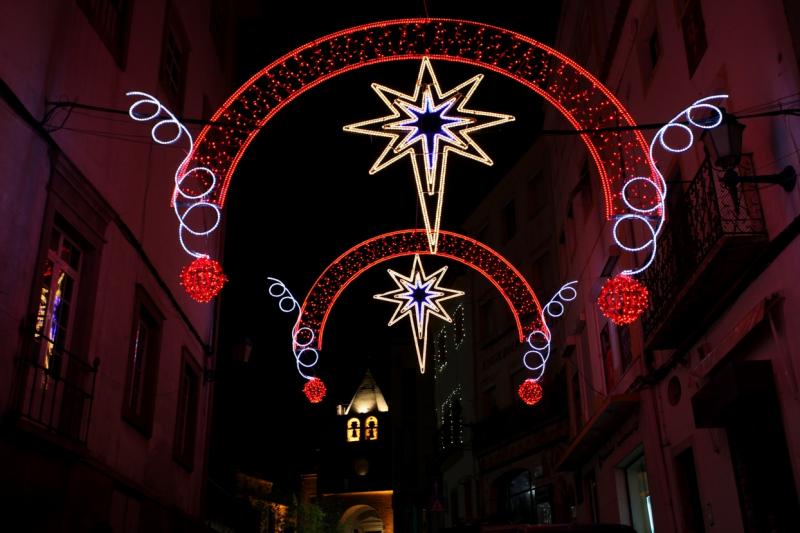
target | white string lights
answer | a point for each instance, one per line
(419, 296)
(653, 216)
(184, 201)
(439, 123)
(539, 342)
(305, 355)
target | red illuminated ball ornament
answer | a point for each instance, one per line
(314, 390)
(623, 299)
(203, 279)
(530, 391)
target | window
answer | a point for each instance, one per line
(371, 428)
(111, 20)
(576, 401)
(523, 502)
(174, 58)
(689, 492)
(694, 33)
(649, 45)
(353, 430)
(509, 221)
(487, 325)
(625, 346)
(58, 289)
(140, 386)
(186, 415)
(641, 505)
(585, 190)
(219, 19)
(607, 353)
(537, 195)
(55, 383)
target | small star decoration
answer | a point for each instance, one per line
(418, 297)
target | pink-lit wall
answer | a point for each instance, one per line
(50, 52)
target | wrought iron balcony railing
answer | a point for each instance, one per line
(709, 235)
(54, 389)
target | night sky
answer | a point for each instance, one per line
(302, 195)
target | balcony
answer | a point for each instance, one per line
(705, 245)
(54, 390)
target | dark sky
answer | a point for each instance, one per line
(302, 195)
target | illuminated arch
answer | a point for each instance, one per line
(350, 265)
(581, 98)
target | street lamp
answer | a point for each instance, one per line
(724, 145)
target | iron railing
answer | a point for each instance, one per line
(699, 219)
(54, 389)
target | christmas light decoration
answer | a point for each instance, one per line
(418, 297)
(185, 200)
(343, 270)
(647, 207)
(428, 122)
(622, 299)
(555, 306)
(530, 391)
(583, 100)
(203, 279)
(315, 390)
(305, 355)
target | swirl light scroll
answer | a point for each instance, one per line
(288, 303)
(538, 342)
(653, 216)
(169, 130)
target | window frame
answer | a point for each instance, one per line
(143, 421)
(185, 456)
(117, 44)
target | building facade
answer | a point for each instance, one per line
(105, 358)
(682, 421)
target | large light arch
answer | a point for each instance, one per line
(583, 100)
(516, 291)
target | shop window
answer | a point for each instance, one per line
(639, 499)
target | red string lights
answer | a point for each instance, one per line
(203, 279)
(623, 299)
(583, 100)
(315, 390)
(347, 267)
(530, 391)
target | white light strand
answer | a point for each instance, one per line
(538, 341)
(183, 201)
(288, 303)
(653, 217)
(447, 420)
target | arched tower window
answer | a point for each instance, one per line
(353, 430)
(371, 428)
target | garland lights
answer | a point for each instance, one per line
(203, 278)
(418, 297)
(428, 123)
(452, 426)
(530, 391)
(622, 300)
(453, 334)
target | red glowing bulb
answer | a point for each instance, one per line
(530, 391)
(203, 279)
(315, 390)
(623, 299)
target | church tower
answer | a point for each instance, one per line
(356, 474)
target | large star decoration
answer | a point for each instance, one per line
(428, 125)
(419, 297)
